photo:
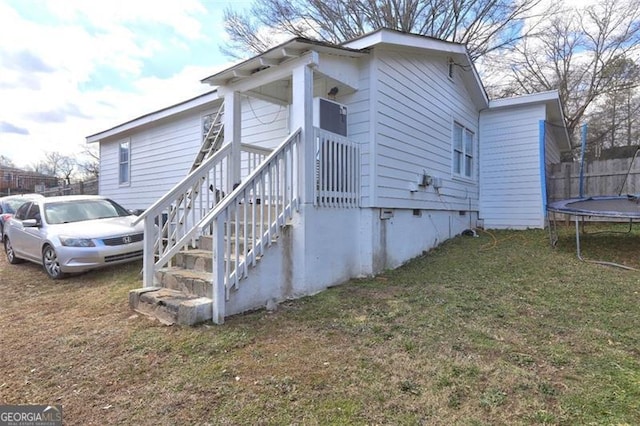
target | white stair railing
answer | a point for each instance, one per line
(171, 223)
(249, 220)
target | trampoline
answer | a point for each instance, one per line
(614, 207)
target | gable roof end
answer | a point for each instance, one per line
(555, 116)
(458, 52)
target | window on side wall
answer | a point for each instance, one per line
(462, 151)
(124, 162)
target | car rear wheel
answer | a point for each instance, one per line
(11, 255)
(50, 263)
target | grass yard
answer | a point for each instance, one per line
(500, 329)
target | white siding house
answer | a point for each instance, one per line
(162, 146)
(424, 155)
(519, 140)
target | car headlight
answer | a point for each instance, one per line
(76, 242)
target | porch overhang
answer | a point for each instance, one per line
(277, 56)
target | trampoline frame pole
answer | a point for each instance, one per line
(578, 240)
(599, 262)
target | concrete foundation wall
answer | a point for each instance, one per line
(327, 247)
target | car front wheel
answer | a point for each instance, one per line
(51, 263)
(11, 255)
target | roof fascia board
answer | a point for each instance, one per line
(385, 36)
(531, 98)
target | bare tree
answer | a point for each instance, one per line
(56, 164)
(6, 161)
(584, 53)
(482, 25)
(89, 163)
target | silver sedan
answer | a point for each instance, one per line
(72, 234)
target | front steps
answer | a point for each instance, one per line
(170, 306)
(184, 292)
(184, 295)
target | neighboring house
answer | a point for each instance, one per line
(18, 181)
(331, 162)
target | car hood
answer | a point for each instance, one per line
(98, 228)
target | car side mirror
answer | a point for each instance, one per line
(30, 223)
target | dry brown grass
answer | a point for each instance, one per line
(493, 330)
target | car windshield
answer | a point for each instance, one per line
(81, 210)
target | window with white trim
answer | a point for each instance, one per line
(462, 151)
(124, 162)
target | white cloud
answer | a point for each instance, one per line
(70, 69)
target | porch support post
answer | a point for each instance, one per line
(302, 116)
(232, 133)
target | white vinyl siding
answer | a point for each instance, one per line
(511, 190)
(415, 105)
(264, 124)
(162, 153)
(359, 128)
(160, 156)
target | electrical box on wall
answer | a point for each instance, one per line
(330, 116)
(437, 182)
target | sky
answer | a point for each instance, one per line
(72, 68)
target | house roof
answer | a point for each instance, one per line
(551, 99)
(456, 51)
(192, 103)
(355, 48)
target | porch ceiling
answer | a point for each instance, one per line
(272, 58)
(280, 91)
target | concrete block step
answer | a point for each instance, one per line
(189, 282)
(195, 259)
(198, 262)
(170, 306)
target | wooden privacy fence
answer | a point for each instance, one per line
(602, 177)
(89, 187)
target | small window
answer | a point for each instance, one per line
(462, 151)
(124, 163)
